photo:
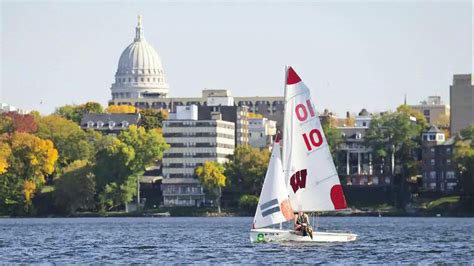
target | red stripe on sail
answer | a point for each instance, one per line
(337, 197)
(292, 78)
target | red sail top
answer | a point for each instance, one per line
(292, 78)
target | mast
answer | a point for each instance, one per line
(285, 123)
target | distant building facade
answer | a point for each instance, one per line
(355, 161)
(439, 170)
(261, 132)
(6, 108)
(462, 103)
(192, 143)
(432, 108)
(109, 123)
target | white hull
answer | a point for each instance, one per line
(277, 235)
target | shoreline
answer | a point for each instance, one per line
(234, 214)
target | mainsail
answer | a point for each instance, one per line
(310, 173)
(273, 205)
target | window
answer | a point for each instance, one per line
(448, 150)
(432, 162)
(90, 124)
(129, 79)
(448, 161)
(124, 124)
(100, 124)
(432, 137)
(425, 137)
(440, 137)
(111, 124)
(426, 112)
(148, 79)
(432, 150)
(433, 175)
(364, 124)
(141, 79)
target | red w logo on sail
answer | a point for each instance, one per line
(298, 180)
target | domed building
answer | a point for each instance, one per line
(140, 72)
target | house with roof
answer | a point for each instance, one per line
(109, 123)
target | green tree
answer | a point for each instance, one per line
(245, 172)
(75, 189)
(151, 118)
(248, 202)
(211, 175)
(464, 157)
(148, 146)
(421, 121)
(394, 138)
(70, 140)
(75, 112)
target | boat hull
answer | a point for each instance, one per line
(277, 235)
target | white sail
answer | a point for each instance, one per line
(273, 205)
(312, 180)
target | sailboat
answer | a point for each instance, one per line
(303, 178)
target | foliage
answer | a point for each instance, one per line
(151, 118)
(211, 176)
(148, 146)
(30, 160)
(349, 122)
(75, 112)
(254, 115)
(6, 124)
(75, 189)
(115, 195)
(464, 157)
(421, 121)
(245, 171)
(70, 140)
(394, 136)
(112, 163)
(19, 123)
(127, 109)
(443, 121)
(248, 202)
(333, 136)
(5, 152)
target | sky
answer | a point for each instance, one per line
(352, 54)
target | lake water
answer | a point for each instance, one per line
(226, 240)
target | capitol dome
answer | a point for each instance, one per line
(139, 72)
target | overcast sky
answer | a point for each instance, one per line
(352, 55)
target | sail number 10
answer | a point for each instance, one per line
(314, 138)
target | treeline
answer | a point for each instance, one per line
(49, 164)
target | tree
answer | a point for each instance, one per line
(21, 123)
(127, 109)
(70, 140)
(421, 121)
(333, 137)
(75, 189)
(92, 107)
(211, 175)
(245, 171)
(248, 202)
(75, 112)
(151, 118)
(464, 157)
(394, 137)
(30, 160)
(5, 152)
(6, 124)
(113, 163)
(148, 146)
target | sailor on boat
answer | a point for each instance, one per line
(302, 224)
